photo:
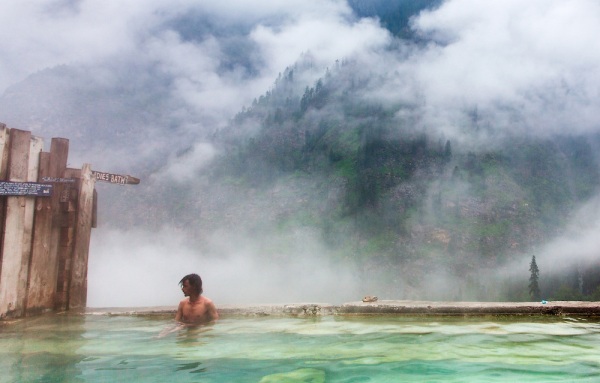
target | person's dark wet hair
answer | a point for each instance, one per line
(194, 280)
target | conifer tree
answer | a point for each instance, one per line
(448, 150)
(534, 287)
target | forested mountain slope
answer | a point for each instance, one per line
(387, 195)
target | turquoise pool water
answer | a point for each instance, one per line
(327, 349)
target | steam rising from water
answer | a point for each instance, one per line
(579, 246)
(137, 269)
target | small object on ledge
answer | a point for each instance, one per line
(369, 298)
(544, 302)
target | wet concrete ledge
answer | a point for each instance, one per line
(383, 307)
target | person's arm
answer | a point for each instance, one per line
(212, 311)
(177, 326)
(179, 315)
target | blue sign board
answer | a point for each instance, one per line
(34, 189)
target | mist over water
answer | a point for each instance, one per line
(134, 268)
(142, 88)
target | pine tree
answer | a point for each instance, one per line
(534, 287)
(448, 150)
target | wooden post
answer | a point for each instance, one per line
(15, 260)
(36, 146)
(42, 287)
(45, 230)
(4, 140)
(42, 270)
(44, 238)
(78, 280)
(68, 209)
(95, 210)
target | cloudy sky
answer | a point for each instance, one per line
(537, 58)
(535, 61)
(215, 69)
(532, 67)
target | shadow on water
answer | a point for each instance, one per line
(191, 338)
(193, 368)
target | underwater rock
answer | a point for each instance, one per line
(303, 375)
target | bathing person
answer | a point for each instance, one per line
(195, 308)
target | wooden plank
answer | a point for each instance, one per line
(4, 152)
(68, 202)
(36, 145)
(15, 260)
(66, 245)
(57, 179)
(95, 210)
(42, 271)
(78, 280)
(115, 178)
(4, 140)
(73, 173)
(59, 151)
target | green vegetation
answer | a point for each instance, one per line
(390, 197)
(534, 287)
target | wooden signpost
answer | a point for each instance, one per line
(79, 203)
(99, 176)
(77, 287)
(115, 178)
(47, 212)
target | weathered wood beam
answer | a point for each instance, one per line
(43, 267)
(68, 210)
(15, 260)
(42, 291)
(4, 140)
(79, 267)
(36, 146)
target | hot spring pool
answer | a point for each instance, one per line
(282, 349)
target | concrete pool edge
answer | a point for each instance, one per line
(382, 307)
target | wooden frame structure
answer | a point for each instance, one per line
(44, 240)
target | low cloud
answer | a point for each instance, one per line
(184, 167)
(137, 268)
(528, 68)
(168, 72)
(579, 244)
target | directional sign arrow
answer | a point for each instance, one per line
(115, 178)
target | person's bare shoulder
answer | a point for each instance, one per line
(183, 302)
(208, 301)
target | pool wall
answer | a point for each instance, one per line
(383, 307)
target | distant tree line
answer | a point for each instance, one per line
(564, 287)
